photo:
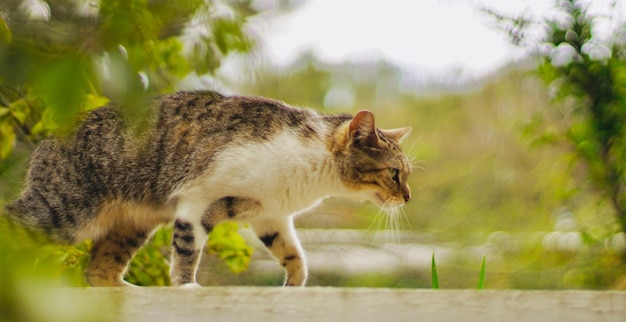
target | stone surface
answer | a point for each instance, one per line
(343, 304)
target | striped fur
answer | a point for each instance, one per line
(199, 158)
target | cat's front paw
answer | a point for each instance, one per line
(292, 283)
(190, 285)
(297, 279)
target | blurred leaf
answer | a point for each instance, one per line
(7, 137)
(227, 243)
(149, 266)
(229, 36)
(93, 101)
(204, 57)
(19, 110)
(4, 111)
(126, 22)
(170, 56)
(5, 33)
(62, 88)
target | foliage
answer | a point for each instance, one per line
(148, 266)
(148, 269)
(586, 72)
(26, 266)
(594, 76)
(230, 246)
(60, 58)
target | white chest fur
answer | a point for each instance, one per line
(286, 175)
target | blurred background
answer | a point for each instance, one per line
(517, 108)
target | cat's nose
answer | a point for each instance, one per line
(406, 193)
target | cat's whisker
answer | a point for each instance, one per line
(397, 220)
(398, 223)
(376, 222)
(380, 218)
(415, 163)
(411, 150)
(383, 220)
(392, 222)
(388, 225)
(405, 217)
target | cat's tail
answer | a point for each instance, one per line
(16, 214)
(17, 218)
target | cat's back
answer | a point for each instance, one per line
(252, 118)
(194, 127)
(175, 141)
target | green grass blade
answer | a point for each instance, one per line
(481, 278)
(434, 278)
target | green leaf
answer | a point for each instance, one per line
(62, 87)
(229, 36)
(126, 22)
(93, 101)
(19, 110)
(148, 267)
(7, 138)
(5, 33)
(227, 243)
(4, 111)
(434, 277)
(481, 278)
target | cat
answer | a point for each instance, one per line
(198, 159)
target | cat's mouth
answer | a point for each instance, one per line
(386, 203)
(380, 201)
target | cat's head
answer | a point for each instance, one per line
(371, 164)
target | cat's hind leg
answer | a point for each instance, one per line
(119, 230)
(111, 254)
(279, 236)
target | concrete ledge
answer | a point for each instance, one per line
(338, 304)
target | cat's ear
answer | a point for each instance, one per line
(363, 128)
(398, 135)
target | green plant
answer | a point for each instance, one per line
(71, 58)
(481, 277)
(230, 246)
(63, 58)
(435, 277)
(586, 72)
(433, 271)
(149, 268)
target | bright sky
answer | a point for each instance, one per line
(431, 36)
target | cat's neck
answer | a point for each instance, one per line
(309, 172)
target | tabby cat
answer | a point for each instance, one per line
(202, 158)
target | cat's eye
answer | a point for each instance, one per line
(394, 175)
